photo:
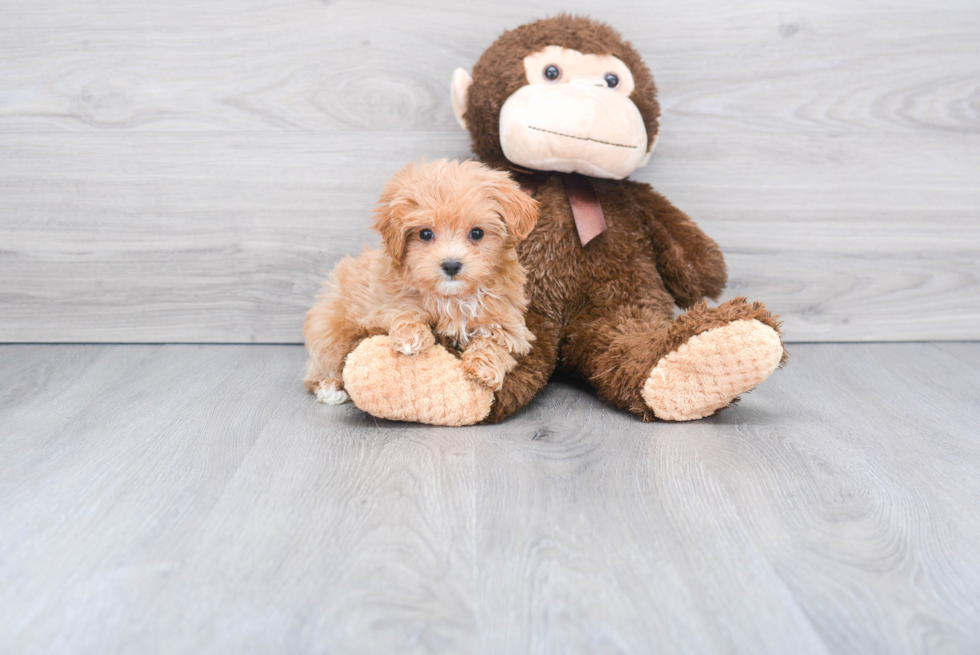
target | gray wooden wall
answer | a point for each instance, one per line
(189, 171)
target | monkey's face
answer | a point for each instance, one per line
(564, 94)
(574, 115)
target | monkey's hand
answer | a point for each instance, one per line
(486, 362)
(410, 337)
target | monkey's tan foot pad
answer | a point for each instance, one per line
(430, 387)
(710, 369)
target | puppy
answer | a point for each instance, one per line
(448, 266)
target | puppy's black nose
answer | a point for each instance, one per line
(452, 267)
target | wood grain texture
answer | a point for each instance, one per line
(172, 172)
(886, 65)
(160, 499)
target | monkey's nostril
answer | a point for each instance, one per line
(452, 267)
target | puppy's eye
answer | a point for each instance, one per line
(426, 234)
(611, 80)
(552, 73)
(476, 234)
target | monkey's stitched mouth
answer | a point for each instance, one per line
(580, 138)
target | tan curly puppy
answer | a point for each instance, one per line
(449, 266)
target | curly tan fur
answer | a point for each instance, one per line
(404, 291)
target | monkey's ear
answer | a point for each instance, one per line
(520, 211)
(460, 89)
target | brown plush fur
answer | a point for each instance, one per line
(403, 289)
(605, 311)
(610, 305)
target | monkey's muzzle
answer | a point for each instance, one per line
(573, 128)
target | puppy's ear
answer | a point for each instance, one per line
(392, 233)
(520, 210)
(389, 214)
(390, 224)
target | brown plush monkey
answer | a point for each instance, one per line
(570, 108)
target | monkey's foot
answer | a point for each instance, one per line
(709, 370)
(430, 387)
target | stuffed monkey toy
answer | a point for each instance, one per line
(570, 109)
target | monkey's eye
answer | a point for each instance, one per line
(476, 234)
(426, 234)
(612, 80)
(552, 73)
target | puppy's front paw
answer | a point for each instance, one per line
(484, 368)
(411, 338)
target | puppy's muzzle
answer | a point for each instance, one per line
(452, 267)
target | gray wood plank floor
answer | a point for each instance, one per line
(175, 171)
(180, 498)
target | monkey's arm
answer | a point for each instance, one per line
(689, 261)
